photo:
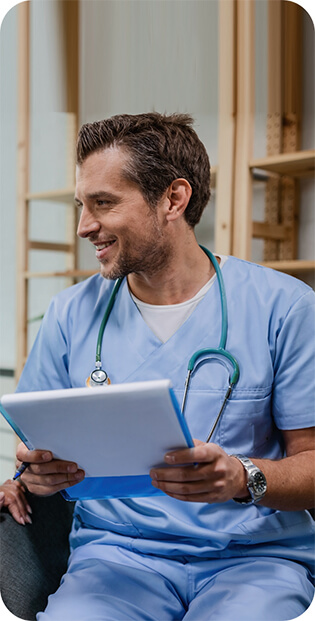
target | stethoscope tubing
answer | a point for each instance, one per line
(224, 313)
(105, 319)
(220, 351)
(201, 353)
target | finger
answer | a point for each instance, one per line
(51, 480)
(182, 489)
(197, 442)
(17, 515)
(23, 499)
(27, 507)
(42, 490)
(18, 511)
(18, 490)
(16, 500)
(37, 456)
(22, 503)
(195, 492)
(199, 453)
(186, 473)
(56, 466)
(46, 486)
(16, 503)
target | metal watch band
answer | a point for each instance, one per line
(251, 469)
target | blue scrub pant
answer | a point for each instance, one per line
(111, 583)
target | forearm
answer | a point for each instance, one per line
(290, 482)
(219, 477)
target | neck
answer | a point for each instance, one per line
(187, 270)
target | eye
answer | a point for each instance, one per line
(105, 202)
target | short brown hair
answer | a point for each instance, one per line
(162, 148)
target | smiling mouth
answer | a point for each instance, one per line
(105, 245)
(102, 250)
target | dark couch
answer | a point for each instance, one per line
(34, 557)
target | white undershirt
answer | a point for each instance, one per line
(164, 320)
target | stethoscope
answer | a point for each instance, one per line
(99, 376)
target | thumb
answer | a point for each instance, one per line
(197, 442)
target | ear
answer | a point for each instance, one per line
(177, 198)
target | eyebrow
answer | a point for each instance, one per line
(96, 195)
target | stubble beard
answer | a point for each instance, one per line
(148, 256)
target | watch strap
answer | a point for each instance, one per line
(251, 469)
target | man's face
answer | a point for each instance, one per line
(128, 236)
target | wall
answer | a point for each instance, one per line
(137, 56)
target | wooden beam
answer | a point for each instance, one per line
(295, 164)
(274, 66)
(274, 118)
(58, 196)
(292, 49)
(225, 173)
(70, 14)
(269, 230)
(22, 181)
(214, 173)
(70, 22)
(290, 191)
(50, 246)
(242, 226)
(291, 267)
(64, 274)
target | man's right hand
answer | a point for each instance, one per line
(45, 475)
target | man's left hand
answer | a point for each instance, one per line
(204, 473)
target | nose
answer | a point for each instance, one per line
(88, 224)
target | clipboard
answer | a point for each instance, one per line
(115, 433)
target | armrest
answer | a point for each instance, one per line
(34, 557)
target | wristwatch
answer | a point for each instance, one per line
(256, 481)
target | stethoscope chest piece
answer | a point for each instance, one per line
(97, 378)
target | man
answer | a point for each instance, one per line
(214, 546)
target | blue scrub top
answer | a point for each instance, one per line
(271, 328)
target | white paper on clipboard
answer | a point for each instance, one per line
(116, 432)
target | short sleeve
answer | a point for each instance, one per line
(47, 365)
(294, 367)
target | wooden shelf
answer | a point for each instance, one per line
(58, 196)
(291, 267)
(67, 195)
(268, 230)
(51, 246)
(64, 274)
(296, 164)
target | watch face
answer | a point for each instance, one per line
(259, 483)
